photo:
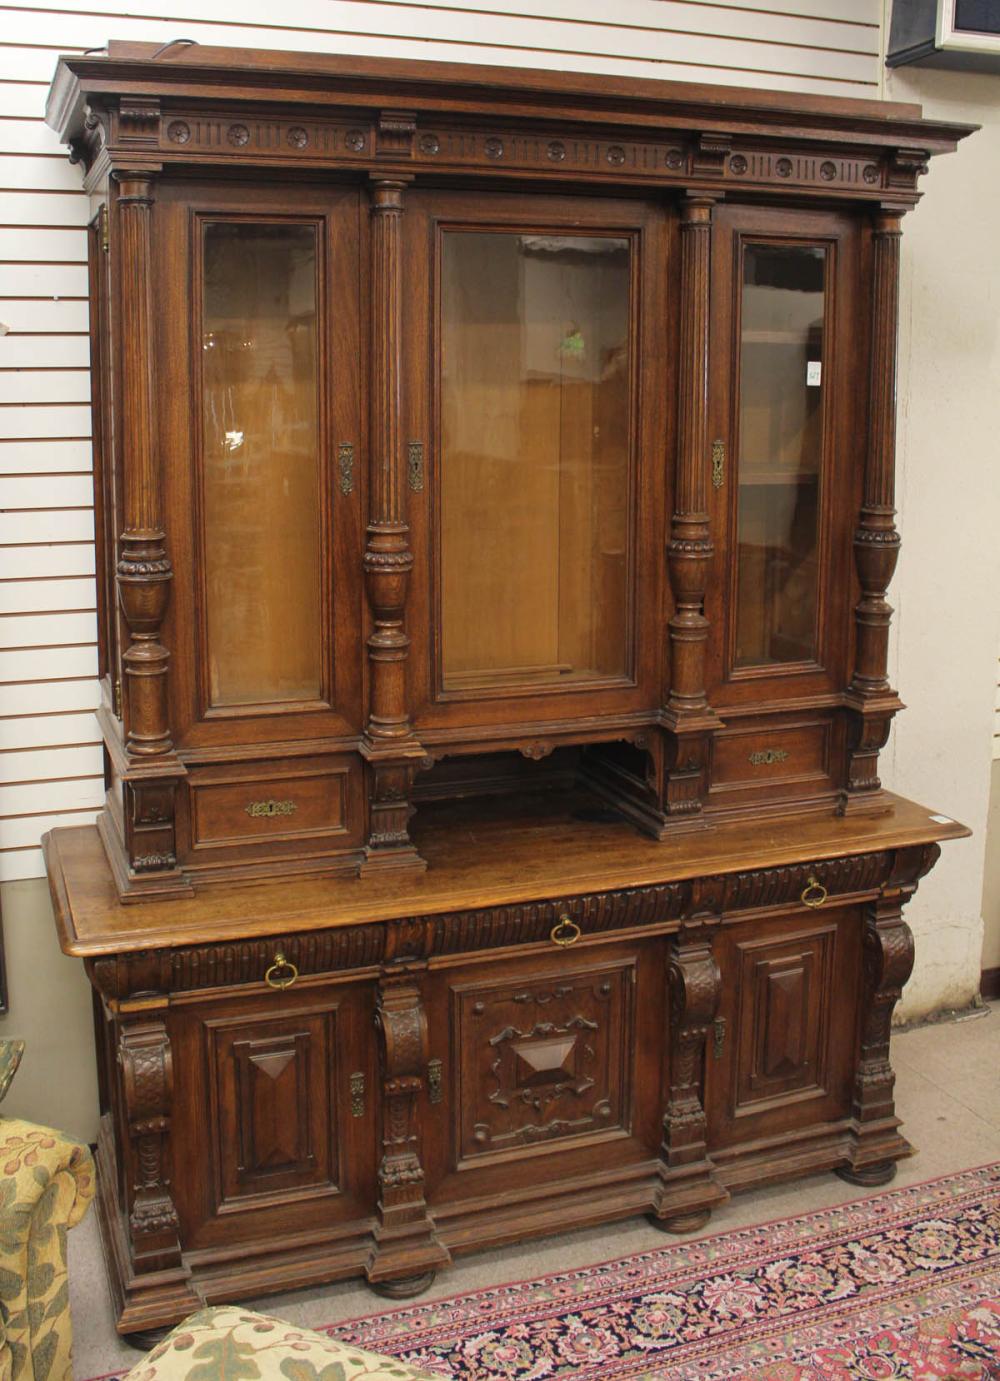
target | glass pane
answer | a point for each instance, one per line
(780, 449)
(261, 463)
(534, 457)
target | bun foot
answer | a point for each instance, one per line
(682, 1222)
(145, 1339)
(868, 1176)
(405, 1288)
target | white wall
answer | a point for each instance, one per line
(947, 588)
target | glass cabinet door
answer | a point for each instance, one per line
(780, 450)
(535, 458)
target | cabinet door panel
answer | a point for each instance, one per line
(550, 1065)
(784, 1050)
(258, 341)
(273, 1101)
(536, 584)
(787, 380)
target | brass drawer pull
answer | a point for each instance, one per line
(566, 932)
(282, 973)
(814, 893)
(269, 810)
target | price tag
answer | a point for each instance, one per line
(814, 373)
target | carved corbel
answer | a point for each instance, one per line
(887, 963)
(693, 985)
(145, 1060)
(710, 151)
(394, 134)
(406, 1252)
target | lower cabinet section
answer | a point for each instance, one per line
(262, 1134)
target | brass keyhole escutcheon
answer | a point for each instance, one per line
(814, 893)
(282, 973)
(565, 932)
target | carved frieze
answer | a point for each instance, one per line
(421, 141)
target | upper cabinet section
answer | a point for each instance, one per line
(469, 430)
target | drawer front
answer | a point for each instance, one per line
(767, 754)
(263, 805)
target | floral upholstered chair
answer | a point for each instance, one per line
(228, 1342)
(46, 1185)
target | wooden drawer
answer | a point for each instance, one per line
(248, 805)
(784, 758)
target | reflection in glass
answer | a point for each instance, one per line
(534, 476)
(260, 459)
(780, 449)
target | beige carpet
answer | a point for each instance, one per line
(947, 1092)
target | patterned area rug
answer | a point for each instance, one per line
(905, 1284)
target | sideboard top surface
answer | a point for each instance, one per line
(478, 856)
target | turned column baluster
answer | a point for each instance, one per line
(687, 713)
(144, 571)
(876, 540)
(389, 745)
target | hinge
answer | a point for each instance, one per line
(104, 227)
(718, 1037)
(116, 697)
(357, 1095)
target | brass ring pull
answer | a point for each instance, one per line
(283, 967)
(566, 932)
(814, 893)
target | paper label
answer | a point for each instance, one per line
(942, 819)
(814, 373)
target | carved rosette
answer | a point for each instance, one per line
(406, 1245)
(687, 713)
(147, 1088)
(888, 962)
(871, 701)
(389, 745)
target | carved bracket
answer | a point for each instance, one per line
(147, 1086)
(693, 996)
(406, 1245)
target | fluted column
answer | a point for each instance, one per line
(689, 551)
(389, 744)
(144, 571)
(871, 700)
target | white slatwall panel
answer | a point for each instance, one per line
(50, 762)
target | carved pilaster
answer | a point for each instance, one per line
(888, 962)
(692, 999)
(870, 699)
(147, 1089)
(389, 746)
(687, 713)
(406, 1251)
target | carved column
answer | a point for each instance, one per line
(688, 1192)
(687, 714)
(144, 573)
(888, 962)
(870, 699)
(389, 745)
(407, 1253)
